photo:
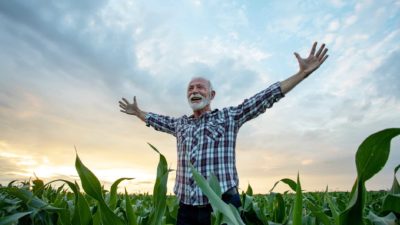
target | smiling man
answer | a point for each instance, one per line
(207, 138)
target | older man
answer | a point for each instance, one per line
(207, 139)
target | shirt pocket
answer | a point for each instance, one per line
(182, 134)
(214, 129)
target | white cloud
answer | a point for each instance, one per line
(68, 73)
(307, 162)
(350, 20)
(334, 25)
(337, 3)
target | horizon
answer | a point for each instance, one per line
(65, 65)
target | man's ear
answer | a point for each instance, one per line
(213, 94)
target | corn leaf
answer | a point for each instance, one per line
(371, 157)
(29, 198)
(82, 214)
(318, 213)
(391, 202)
(130, 214)
(292, 184)
(231, 215)
(159, 190)
(90, 183)
(373, 153)
(395, 185)
(214, 184)
(13, 219)
(278, 213)
(389, 219)
(249, 190)
(298, 204)
(113, 192)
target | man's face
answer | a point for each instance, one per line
(199, 94)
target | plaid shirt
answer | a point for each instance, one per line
(208, 143)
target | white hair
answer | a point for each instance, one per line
(210, 87)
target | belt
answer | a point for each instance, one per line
(231, 191)
(183, 205)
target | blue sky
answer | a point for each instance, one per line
(64, 65)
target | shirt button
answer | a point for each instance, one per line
(192, 161)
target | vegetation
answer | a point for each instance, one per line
(38, 203)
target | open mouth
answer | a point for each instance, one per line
(196, 99)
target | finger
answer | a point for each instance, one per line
(134, 100)
(126, 101)
(313, 48)
(320, 50)
(122, 106)
(320, 57)
(323, 60)
(121, 103)
(297, 56)
(123, 111)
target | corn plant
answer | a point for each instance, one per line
(34, 202)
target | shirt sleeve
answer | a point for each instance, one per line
(161, 123)
(254, 106)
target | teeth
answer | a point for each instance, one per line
(195, 98)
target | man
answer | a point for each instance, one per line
(207, 138)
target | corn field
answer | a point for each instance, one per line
(33, 202)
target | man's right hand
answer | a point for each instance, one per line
(131, 109)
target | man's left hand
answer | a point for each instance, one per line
(313, 61)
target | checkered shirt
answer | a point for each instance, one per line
(208, 143)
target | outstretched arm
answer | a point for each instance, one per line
(159, 122)
(132, 109)
(307, 66)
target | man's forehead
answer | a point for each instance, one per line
(199, 80)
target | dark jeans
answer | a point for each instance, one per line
(201, 215)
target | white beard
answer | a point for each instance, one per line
(198, 105)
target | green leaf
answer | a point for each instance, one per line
(333, 207)
(108, 216)
(113, 192)
(354, 212)
(249, 190)
(292, 184)
(373, 153)
(278, 212)
(389, 219)
(371, 157)
(12, 219)
(82, 214)
(172, 210)
(28, 198)
(130, 214)
(90, 183)
(298, 204)
(37, 187)
(231, 215)
(395, 186)
(214, 184)
(318, 213)
(391, 202)
(160, 190)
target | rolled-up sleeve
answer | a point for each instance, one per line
(161, 123)
(256, 105)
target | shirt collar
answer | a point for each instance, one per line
(205, 115)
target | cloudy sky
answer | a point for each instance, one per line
(64, 65)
